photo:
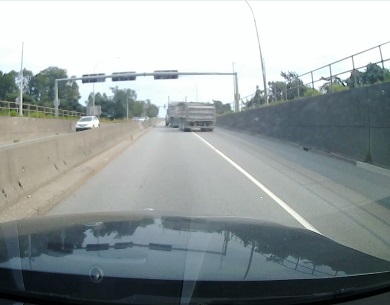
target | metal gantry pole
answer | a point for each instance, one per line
(237, 95)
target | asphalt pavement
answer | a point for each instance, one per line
(233, 174)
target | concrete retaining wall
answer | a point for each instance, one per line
(354, 123)
(16, 128)
(25, 167)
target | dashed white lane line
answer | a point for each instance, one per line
(279, 201)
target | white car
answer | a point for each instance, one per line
(140, 119)
(87, 122)
(143, 119)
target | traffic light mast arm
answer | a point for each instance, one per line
(133, 75)
(147, 74)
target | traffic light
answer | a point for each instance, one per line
(166, 76)
(94, 80)
(123, 76)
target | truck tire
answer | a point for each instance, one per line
(184, 128)
(181, 125)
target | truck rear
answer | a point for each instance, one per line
(174, 114)
(197, 116)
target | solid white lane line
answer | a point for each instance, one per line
(279, 201)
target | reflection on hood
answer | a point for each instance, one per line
(162, 247)
(151, 258)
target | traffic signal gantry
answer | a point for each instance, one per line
(131, 76)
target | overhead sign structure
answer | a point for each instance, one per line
(157, 74)
(174, 75)
(123, 76)
(94, 78)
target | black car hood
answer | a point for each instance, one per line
(150, 246)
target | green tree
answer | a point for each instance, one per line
(136, 108)
(151, 110)
(295, 87)
(41, 88)
(278, 91)
(335, 85)
(120, 99)
(8, 87)
(387, 77)
(221, 108)
(312, 92)
(338, 88)
(42, 85)
(71, 96)
(257, 100)
(104, 101)
(27, 77)
(355, 79)
(375, 74)
(115, 107)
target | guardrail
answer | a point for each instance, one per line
(315, 79)
(36, 111)
(372, 55)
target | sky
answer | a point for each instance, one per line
(86, 37)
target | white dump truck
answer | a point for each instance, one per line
(191, 115)
(173, 116)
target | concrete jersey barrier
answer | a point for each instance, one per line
(19, 128)
(26, 167)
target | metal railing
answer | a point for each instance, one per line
(315, 79)
(36, 111)
(372, 55)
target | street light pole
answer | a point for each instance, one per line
(261, 56)
(21, 85)
(56, 98)
(93, 98)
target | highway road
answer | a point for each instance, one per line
(233, 174)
